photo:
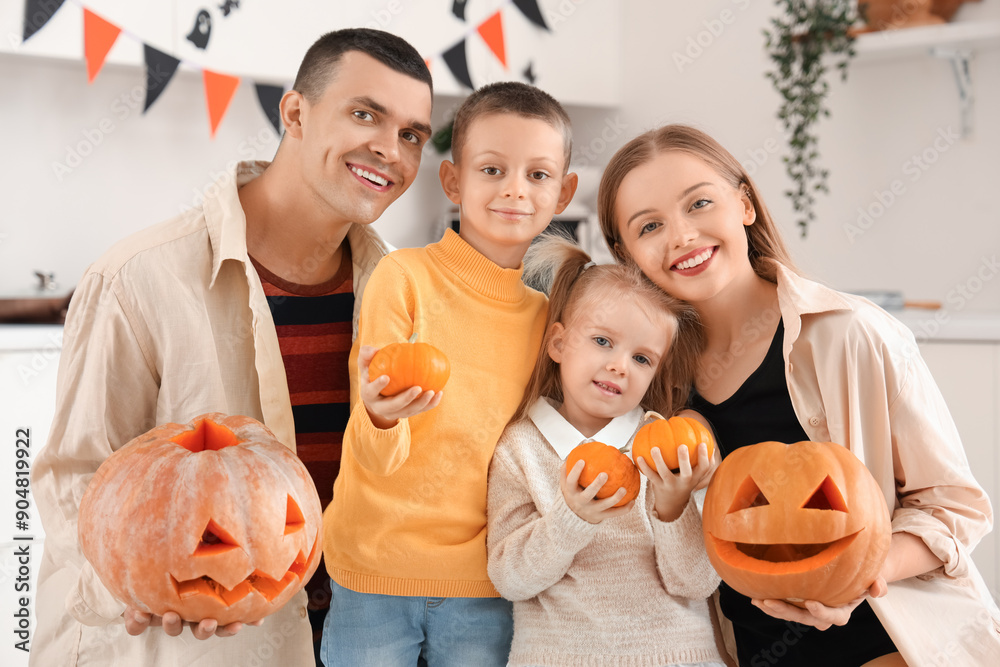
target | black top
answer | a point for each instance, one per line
(759, 411)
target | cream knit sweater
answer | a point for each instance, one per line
(631, 591)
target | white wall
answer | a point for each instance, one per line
(928, 242)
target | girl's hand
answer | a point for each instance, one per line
(385, 411)
(584, 502)
(672, 491)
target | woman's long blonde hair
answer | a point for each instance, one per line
(574, 283)
(764, 243)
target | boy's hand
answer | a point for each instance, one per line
(671, 491)
(584, 502)
(137, 621)
(385, 411)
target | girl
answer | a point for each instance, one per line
(591, 583)
(788, 359)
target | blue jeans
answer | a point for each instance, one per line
(370, 630)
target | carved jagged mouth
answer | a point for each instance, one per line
(257, 582)
(788, 557)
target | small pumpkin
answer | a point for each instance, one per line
(211, 519)
(410, 364)
(668, 435)
(805, 521)
(599, 457)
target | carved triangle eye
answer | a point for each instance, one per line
(294, 520)
(749, 495)
(826, 497)
(215, 540)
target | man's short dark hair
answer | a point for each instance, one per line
(320, 62)
(510, 97)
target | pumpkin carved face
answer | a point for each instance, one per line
(796, 522)
(410, 364)
(599, 458)
(211, 519)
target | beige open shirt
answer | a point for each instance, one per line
(169, 324)
(855, 377)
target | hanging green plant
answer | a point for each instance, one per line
(801, 42)
(441, 139)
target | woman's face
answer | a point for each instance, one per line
(683, 224)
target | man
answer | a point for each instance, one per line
(177, 321)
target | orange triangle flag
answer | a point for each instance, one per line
(219, 91)
(98, 38)
(491, 31)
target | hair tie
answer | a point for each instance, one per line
(587, 266)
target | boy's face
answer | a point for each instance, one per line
(508, 183)
(371, 119)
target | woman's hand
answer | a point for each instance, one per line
(671, 491)
(137, 621)
(818, 614)
(385, 411)
(584, 502)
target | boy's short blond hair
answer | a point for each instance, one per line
(510, 97)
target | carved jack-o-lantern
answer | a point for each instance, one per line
(211, 519)
(797, 522)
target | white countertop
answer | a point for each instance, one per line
(16, 337)
(978, 326)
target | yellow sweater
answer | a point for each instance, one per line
(408, 515)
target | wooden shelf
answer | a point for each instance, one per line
(923, 40)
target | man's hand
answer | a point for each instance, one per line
(136, 622)
(385, 411)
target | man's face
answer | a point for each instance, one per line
(362, 140)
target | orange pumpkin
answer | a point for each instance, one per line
(599, 458)
(796, 522)
(210, 519)
(668, 435)
(410, 364)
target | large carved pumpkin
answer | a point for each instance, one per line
(597, 458)
(796, 522)
(210, 519)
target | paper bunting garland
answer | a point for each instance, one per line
(270, 101)
(36, 14)
(532, 12)
(100, 35)
(458, 63)
(219, 91)
(160, 69)
(491, 31)
(98, 38)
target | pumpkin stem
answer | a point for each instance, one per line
(413, 338)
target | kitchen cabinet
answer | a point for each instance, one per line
(968, 374)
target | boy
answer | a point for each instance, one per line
(405, 535)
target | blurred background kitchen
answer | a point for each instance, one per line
(911, 146)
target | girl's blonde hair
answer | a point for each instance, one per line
(564, 271)
(764, 242)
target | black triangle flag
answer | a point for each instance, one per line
(532, 11)
(458, 64)
(458, 9)
(270, 101)
(529, 73)
(36, 14)
(160, 68)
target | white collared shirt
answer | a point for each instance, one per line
(563, 437)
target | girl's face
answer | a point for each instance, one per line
(683, 224)
(607, 355)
